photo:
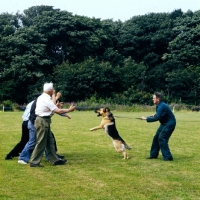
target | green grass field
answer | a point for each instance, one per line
(95, 171)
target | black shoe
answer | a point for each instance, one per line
(59, 156)
(168, 159)
(8, 157)
(151, 157)
(60, 162)
(36, 165)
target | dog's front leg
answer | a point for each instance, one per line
(96, 128)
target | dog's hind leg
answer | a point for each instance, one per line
(120, 147)
(125, 155)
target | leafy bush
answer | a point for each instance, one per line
(8, 105)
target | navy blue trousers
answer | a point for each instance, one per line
(160, 141)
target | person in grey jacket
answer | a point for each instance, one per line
(167, 125)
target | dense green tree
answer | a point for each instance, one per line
(71, 38)
(185, 48)
(25, 61)
(88, 57)
(28, 16)
(183, 84)
(145, 38)
(80, 81)
(8, 26)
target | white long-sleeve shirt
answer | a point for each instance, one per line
(26, 114)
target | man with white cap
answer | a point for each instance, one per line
(45, 107)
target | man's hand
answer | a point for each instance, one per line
(59, 104)
(143, 118)
(72, 108)
(58, 95)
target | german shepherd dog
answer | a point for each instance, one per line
(108, 123)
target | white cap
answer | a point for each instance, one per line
(47, 87)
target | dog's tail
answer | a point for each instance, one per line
(127, 147)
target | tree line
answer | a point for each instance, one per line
(124, 62)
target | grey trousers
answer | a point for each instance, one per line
(44, 139)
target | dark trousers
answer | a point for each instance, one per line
(56, 149)
(160, 141)
(24, 139)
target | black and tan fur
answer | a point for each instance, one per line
(108, 124)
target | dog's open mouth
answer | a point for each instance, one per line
(98, 114)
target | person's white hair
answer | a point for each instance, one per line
(47, 87)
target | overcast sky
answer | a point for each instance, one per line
(105, 9)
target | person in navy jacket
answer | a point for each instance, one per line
(167, 125)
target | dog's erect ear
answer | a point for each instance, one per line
(107, 110)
